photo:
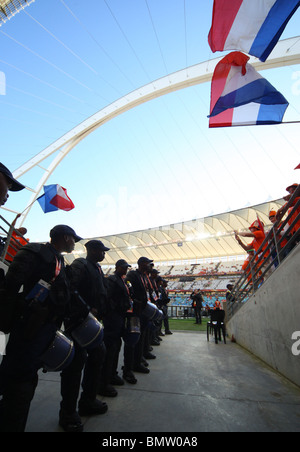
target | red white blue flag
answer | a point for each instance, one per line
(251, 26)
(55, 198)
(240, 96)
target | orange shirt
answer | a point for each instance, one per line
(246, 268)
(278, 237)
(246, 263)
(258, 241)
(11, 251)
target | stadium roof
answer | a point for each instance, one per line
(9, 8)
(196, 239)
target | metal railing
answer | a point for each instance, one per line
(9, 241)
(279, 242)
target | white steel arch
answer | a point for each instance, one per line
(286, 53)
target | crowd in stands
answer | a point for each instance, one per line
(211, 278)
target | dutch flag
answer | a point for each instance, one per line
(241, 96)
(55, 198)
(251, 26)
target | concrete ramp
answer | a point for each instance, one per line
(268, 325)
(193, 386)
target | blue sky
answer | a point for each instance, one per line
(154, 165)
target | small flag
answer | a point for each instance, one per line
(297, 167)
(241, 96)
(260, 224)
(257, 224)
(55, 198)
(252, 26)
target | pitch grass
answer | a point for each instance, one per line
(187, 325)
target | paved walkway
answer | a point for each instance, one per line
(193, 386)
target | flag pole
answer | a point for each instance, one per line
(28, 206)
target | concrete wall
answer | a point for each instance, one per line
(266, 323)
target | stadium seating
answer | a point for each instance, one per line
(211, 278)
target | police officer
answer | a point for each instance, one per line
(139, 280)
(87, 278)
(229, 295)
(7, 183)
(163, 302)
(197, 304)
(35, 320)
(118, 324)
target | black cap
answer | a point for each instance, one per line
(62, 229)
(96, 244)
(155, 271)
(15, 185)
(122, 263)
(144, 260)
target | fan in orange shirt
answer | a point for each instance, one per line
(247, 267)
(291, 189)
(257, 233)
(16, 243)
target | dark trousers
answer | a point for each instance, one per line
(198, 315)
(114, 325)
(117, 327)
(90, 362)
(166, 323)
(19, 374)
(142, 343)
(111, 362)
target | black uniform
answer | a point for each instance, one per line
(197, 304)
(164, 300)
(154, 327)
(87, 278)
(121, 311)
(32, 330)
(139, 286)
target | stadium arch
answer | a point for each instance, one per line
(286, 53)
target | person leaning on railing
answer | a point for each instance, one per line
(16, 243)
(292, 189)
(277, 236)
(246, 267)
(258, 236)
